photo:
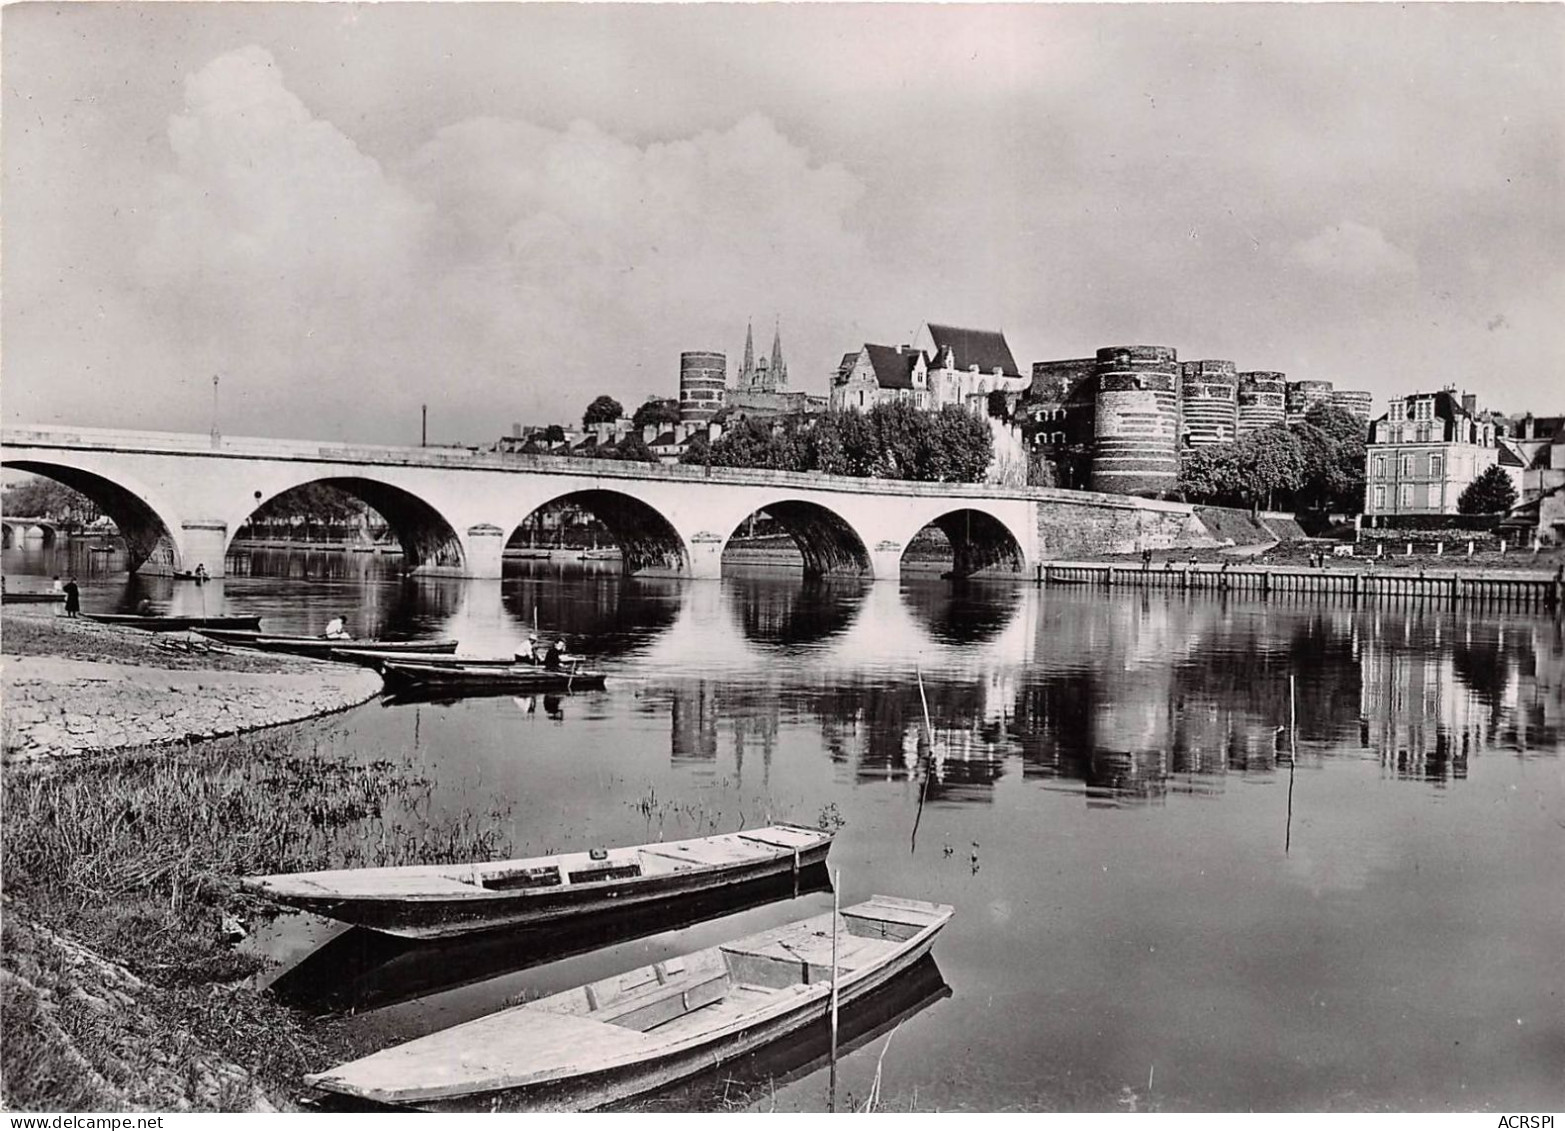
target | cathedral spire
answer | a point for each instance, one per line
(747, 374)
(779, 368)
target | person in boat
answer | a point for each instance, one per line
(144, 607)
(554, 658)
(201, 573)
(337, 629)
(73, 598)
(529, 654)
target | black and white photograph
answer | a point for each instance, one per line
(814, 557)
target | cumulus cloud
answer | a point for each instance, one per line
(502, 266)
(1353, 250)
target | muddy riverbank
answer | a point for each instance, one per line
(74, 687)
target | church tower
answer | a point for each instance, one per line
(778, 372)
(747, 370)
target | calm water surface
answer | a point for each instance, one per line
(1156, 907)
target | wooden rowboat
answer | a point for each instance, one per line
(322, 646)
(177, 624)
(45, 598)
(476, 679)
(441, 900)
(371, 658)
(607, 1040)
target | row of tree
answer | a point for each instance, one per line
(1316, 464)
(890, 441)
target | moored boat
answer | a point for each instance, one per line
(608, 1040)
(371, 658)
(513, 678)
(324, 646)
(442, 900)
(45, 598)
(177, 624)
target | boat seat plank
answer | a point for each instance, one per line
(779, 837)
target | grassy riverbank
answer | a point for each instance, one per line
(120, 981)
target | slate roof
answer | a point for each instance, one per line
(986, 349)
(893, 367)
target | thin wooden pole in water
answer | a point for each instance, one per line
(836, 889)
(1293, 757)
(929, 733)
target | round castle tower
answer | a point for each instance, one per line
(703, 379)
(1305, 395)
(1210, 400)
(1263, 397)
(1138, 419)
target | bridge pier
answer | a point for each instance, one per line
(705, 554)
(482, 552)
(203, 542)
(885, 561)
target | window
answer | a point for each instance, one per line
(1380, 467)
(1407, 466)
(1436, 466)
(1405, 502)
(1380, 498)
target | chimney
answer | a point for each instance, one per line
(516, 431)
(1470, 404)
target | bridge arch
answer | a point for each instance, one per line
(979, 541)
(828, 542)
(139, 515)
(427, 538)
(646, 538)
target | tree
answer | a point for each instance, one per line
(1270, 462)
(656, 411)
(1332, 444)
(632, 448)
(554, 434)
(313, 502)
(39, 497)
(603, 410)
(1491, 493)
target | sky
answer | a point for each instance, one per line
(344, 212)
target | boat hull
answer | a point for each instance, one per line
(482, 1066)
(519, 679)
(32, 598)
(432, 915)
(617, 1084)
(176, 624)
(323, 648)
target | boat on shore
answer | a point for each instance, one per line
(324, 646)
(371, 658)
(608, 1040)
(514, 678)
(45, 598)
(442, 900)
(178, 624)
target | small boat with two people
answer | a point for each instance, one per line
(486, 677)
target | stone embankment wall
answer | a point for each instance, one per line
(104, 689)
(1074, 525)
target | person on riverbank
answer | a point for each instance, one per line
(73, 598)
(57, 587)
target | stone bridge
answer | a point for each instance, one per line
(178, 498)
(26, 527)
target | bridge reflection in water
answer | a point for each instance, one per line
(1106, 801)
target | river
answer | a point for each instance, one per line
(1157, 907)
